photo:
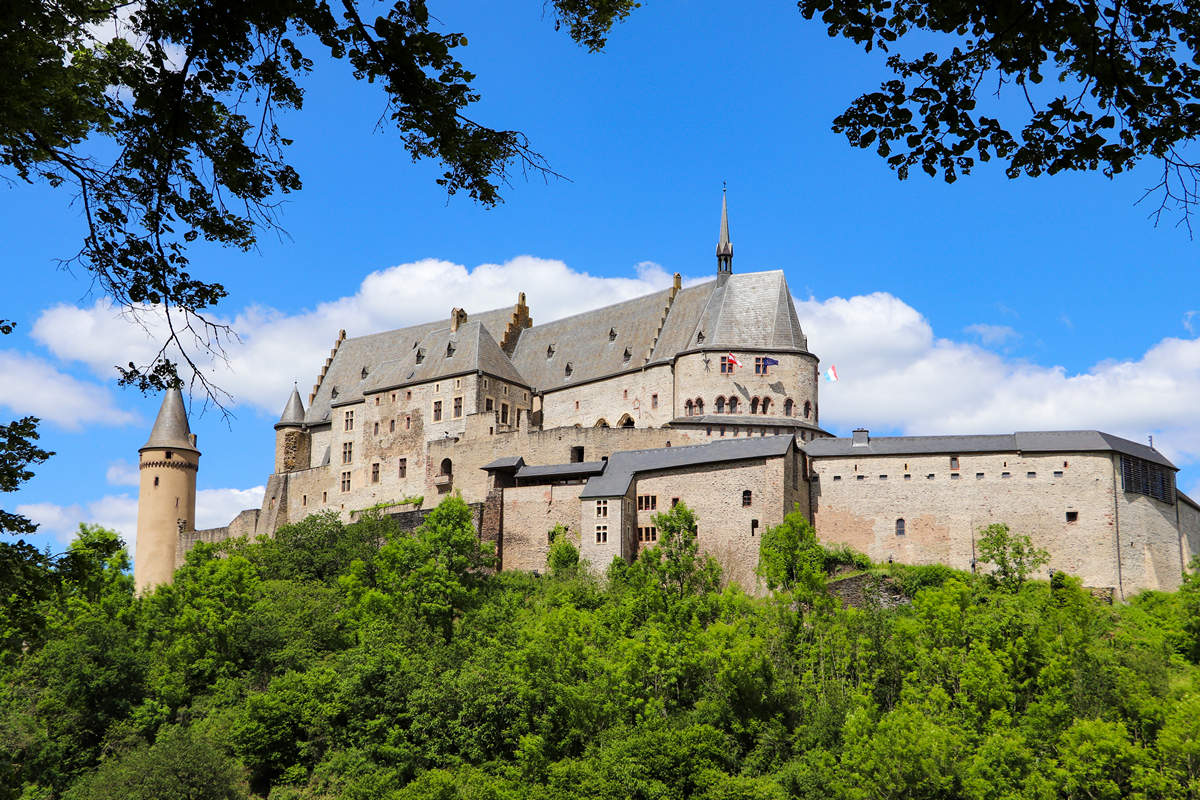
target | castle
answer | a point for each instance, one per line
(706, 395)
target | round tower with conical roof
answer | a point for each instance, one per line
(167, 495)
(292, 441)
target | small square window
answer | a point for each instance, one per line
(1058, 473)
(907, 476)
(674, 502)
(954, 476)
(1005, 474)
(1072, 516)
(1030, 474)
(978, 476)
(837, 477)
(929, 477)
(860, 477)
(953, 462)
(883, 477)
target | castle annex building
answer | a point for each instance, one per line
(707, 395)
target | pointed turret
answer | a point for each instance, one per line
(171, 427)
(724, 246)
(167, 465)
(293, 412)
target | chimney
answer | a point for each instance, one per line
(862, 437)
(457, 317)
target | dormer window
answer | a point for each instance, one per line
(333, 392)
(450, 350)
(550, 351)
(612, 334)
(700, 337)
(420, 356)
(364, 373)
(627, 355)
(569, 369)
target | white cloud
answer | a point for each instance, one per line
(896, 375)
(122, 473)
(992, 334)
(31, 385)
(1189, 321)
(118, 512)
(276, 348)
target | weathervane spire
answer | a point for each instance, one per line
(724, 246)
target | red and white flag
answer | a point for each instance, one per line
(733, 362)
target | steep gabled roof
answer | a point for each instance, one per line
(293, 412)
(370, 352)
(751, 310)
(623, 465)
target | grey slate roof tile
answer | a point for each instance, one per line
(623, 465)
(1021, 441)
(171, 425)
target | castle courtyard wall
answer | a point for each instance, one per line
(855, 505)
(1189, 530)
(723, 524)
(529, 513)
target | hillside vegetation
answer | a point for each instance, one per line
(352, 661)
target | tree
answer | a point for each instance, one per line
(1013, 554)
(563, 558)
(676, 561)
(18, 452)
(170, 130)
(789, 556)
(1125, 86)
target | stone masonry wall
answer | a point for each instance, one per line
(1149, 541)
(723, 524)
(857, 506)
(529, 513)
(794, 377)
(1189, 531)
(633, 393)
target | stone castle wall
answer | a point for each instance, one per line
(529, 514)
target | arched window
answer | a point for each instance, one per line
(899, 527)
(733, 404)
(754, 405)
(720, 405)
(807, 409)
(687, 408)
(766, 404)
(447, 468)
(787, 407)
(601, 423)
(746, 497)
(625, 422)
(699, 406)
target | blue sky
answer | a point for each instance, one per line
(987, 305)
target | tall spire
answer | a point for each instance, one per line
(171, 427)
(724, 246)
(293, 412)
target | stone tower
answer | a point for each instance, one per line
(167, 494)
(292, 441)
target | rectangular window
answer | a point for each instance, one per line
(345, 481)
(978, 476)
(647, 502)
(759, 367)
(654, 401)
(489, 404)
(955, 476)
(953, 462)
(601, 534)
(1072, 516)
(407, 423)
(576, 405)
(837, 477)
(1005, 474)
(349, 421)
(458, 383)
(408, 395)
(726, 367)
(403, 468)
(391, 426)
(347, 452)
(374, 473)
(674, 502)
(376, 431)
(303, 499)
(457, 407)
(324, 497)
(1058, 473)
(437, 387)
(648, 534)
(504, 413)
(908, 476)
(376, 399)
(1143, 477)
(1030, 474)
(486, 383)
(601, 508)
(437, 410)
(929, 477)
(860, 477)
(505, 390)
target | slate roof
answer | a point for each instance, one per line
(576, 468)
(752, 310)
(505, 463)
(583, 342)
(372, 351)
(171, 425)
(623, 465)
(293, 412)
(1019, 442)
